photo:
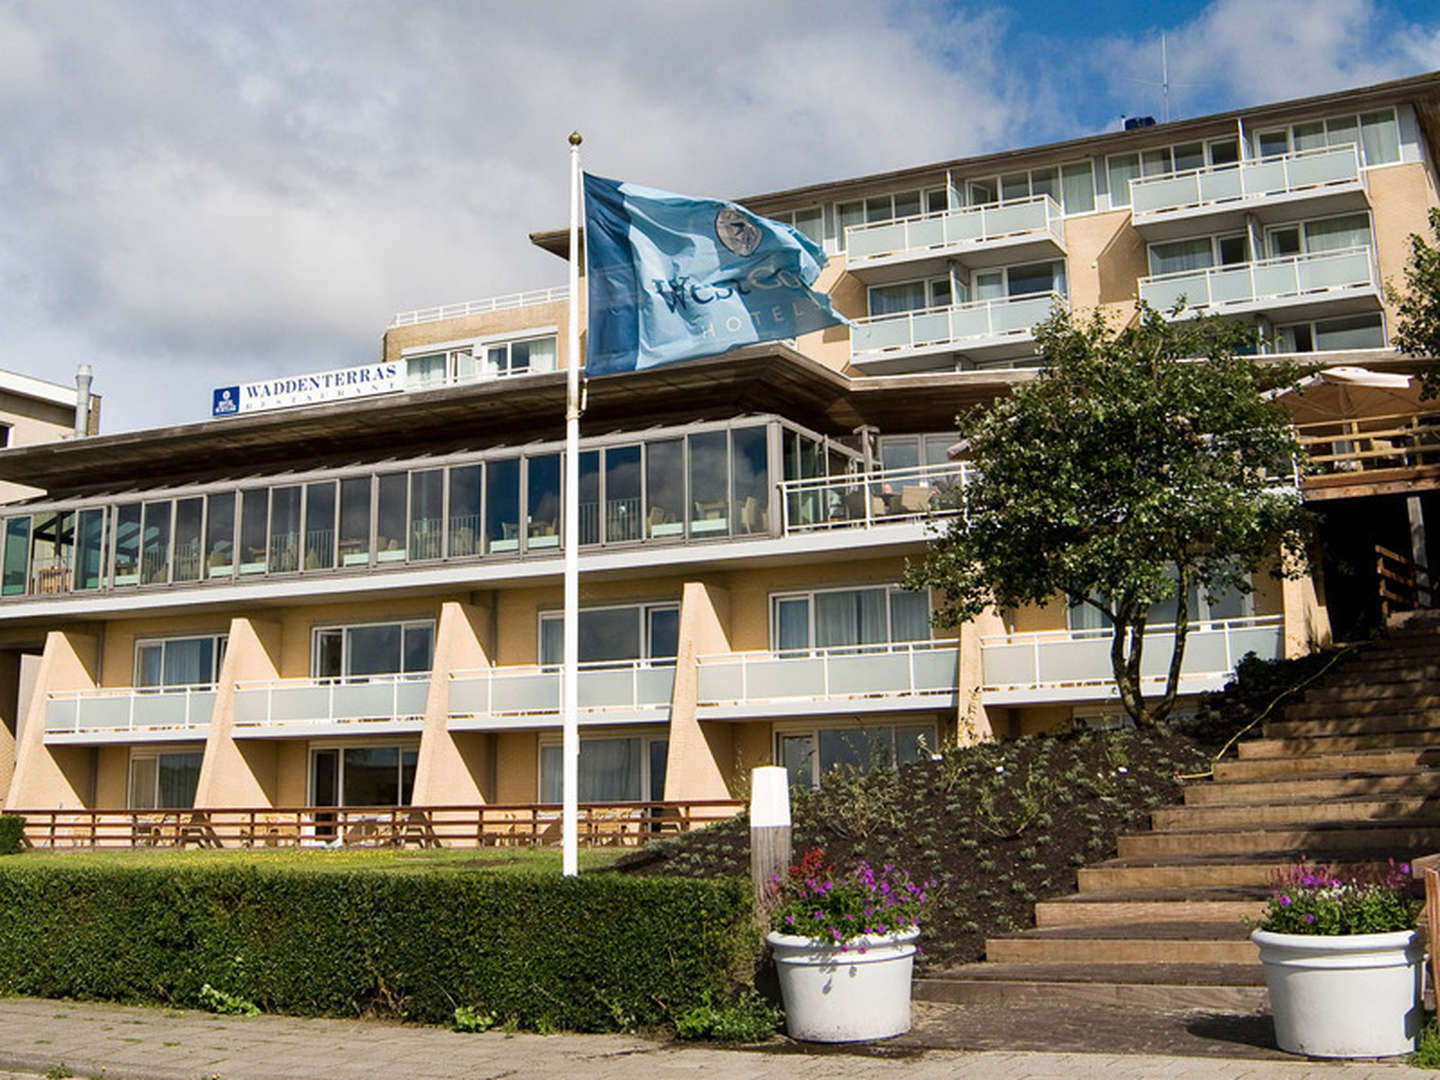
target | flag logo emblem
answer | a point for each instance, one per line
(736, 231)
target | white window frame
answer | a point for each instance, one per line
(153, 754)
(217, 658)
(1274, 338)
(809, 595)
(1288, 130)
(381, 741)
(930, 284)
(644, 613)
(789, 217)
(1303, 224)
(1215, 241)
(1200, 620)
(1004, 272)
(647, 735)
(811, 730)
(344, 630)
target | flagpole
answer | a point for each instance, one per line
(570, 697)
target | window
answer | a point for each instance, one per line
(1328, 234)
(179, 661)
(542, 501)
(1023, 280)
(520, 357)
(809, 221)
(438, 368)
(91, 540)
(879, 208)
(502, 505)
(163, 780)
(909, 451)
(1376, 135)
(4, 435)
(284, 529)
(612, 769)
(354, 652)
(631, 632)
(320, 525)
(155, 543)
(909, 296)
(466, 508)
(355, 521)
(362, 776)
(876, 615)
(427, 496)
(1071, 185)
(808, 754)
(1198, 253)
(1356, 332)
(1086, 620)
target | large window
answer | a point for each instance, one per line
(362, 775)
(878, 208)
(1025, 279)
(1198, 253)
(1324, 335)
(1086, 620)
(909, 296)
(830, 618)
(1157, 161)
(809, 753)
(354, 652)
(496, 359)
(810, 221)
(163, 780)
(631, 632)
(179, 661)
(1377, 134)
(612, 769)
(1326, 234)
(520, 357)
(1072, 185)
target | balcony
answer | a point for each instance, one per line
(1031, 230)
(129, 714)
(1320, 284)
(610, 692)
(1371, 455)
(983, 330)
(855, 678)
(1313, 182)
(866, 500)
(1065, 666)
(293, 708)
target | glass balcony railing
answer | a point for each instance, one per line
(1223, 186)
(900, 670)
(481, 307)
(863, 500)
(623, 686)
(975, 325)
(129, 710)
(1278, 282)
(1059, 659)
(348, 701)
(955, 231)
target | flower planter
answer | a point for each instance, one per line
(834, 996)
(1353, 995)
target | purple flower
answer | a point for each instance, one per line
(818, 914)
(1309, 919)
(1404, 868)
(1284, 902)
(789, 920)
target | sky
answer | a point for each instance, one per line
(195, 193)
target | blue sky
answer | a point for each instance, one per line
(199, 192)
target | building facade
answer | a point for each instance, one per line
(357, 604)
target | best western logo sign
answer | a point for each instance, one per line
(307, 389)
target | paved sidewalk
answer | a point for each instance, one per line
(128, 1043)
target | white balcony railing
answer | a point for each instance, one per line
(129, 710)
(1305, 171)
(621, 686)
(351, 700)
(1243, 286)
(908, 669)
(864, 500)
(975, 324)
(1060, 659)
(956, 230)
(481, 307)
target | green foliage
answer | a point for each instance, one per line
(749, 1019)
(1139, 466)
(1417, 328)
(468, 1019)
(58, 1072)
(594, 953)
(1315, 900)
(12, 834)
(816, 902)
(1427, 1055)
(217, 1001)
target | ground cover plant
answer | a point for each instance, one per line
(1317, 899)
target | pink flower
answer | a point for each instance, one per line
(1309, 919)
(1284, 902)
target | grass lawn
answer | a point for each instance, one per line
(537, 860)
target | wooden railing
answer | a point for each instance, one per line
(1367, 444)
(495, 825)
(1404, 584)
(1427, 868)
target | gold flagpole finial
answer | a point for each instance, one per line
(575, 139)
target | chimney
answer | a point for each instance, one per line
(83, 376)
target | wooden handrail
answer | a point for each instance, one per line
(1403, 583)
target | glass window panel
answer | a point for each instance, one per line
(373, 650)
(465, 510)
(854, 748)
(1032, 278)
(937, 448)
(150, 665)
(90, 549)
(254, 508)
(940, 292)
(622, 494)
(320, 526)
(589, 497)
(664, 633)
(542, 494)
(850, 617)
(750, 480)
(1358, 332)
(983, 192)
(797, 753)
(155, 544)
(327, 777)
(189, 661)
(1284, 242)
(899, 453)
(1045, 182)
(792, 623)
(537, 354)
(390, 517)
(847, 215)
(1309, 136)
(1181, 255)
(914, 742)
(1380, 137)
(1188, 156)
(1155, 162)
(1232, 250)
(610, 770)
(1123, 169)
(1078, 185)
(419, 648)
(907, 204)
(188, 520)
(329, 654)
(1337, 234)
(127, 544)
(937, 200)
(284, 529)
(909, 616)
(552, 639)
(371, 776)
(551, 778)
(48, 571)
(427, 513)
(502, 506)
(142, 783)
(892, 299)
(990, 285)
(220, 534)
(879, 208)
(423, 371)
(1341, 130)
(1224, 151)
(609, 634)
(665, 488)
(1229, 604)
(178, 775)
(355, 521)
(1273, 143)
(709, 484)
(409, 759)
(1014, 186)
(810, 222)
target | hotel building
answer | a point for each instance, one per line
(272, 626)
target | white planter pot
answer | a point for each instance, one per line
(834, 996)
(1355, 995)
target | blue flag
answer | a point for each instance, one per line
(672, 278)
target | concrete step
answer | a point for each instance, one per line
(1422, 781)
(1152, 905)
(1297, 745)
(1368, 724)
(1376, 704)
(1295, 812)
(1228, 988)
(1205, 872)
(1408, 757)
(1127, 943)
(1373, 687)
(1316, 839)
(1370, 672)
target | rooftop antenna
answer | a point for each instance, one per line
(1165, 82)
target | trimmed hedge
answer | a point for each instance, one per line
(602, 952)
(12, 834)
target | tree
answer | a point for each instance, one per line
(1418, 306)
(1138, 466)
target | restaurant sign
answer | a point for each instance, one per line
(313, 389)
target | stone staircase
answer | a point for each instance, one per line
(1348, 776)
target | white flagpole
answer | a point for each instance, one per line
(570, 696)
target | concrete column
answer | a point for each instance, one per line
(972, 722)
(243, 773)
(1418, 550)
(1305, 618)
(10, 706)
(700, 755)
(454, 768)
(56, 777)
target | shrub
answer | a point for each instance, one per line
(12, 834)
(601, 952)
(1316, 900)
(471, 1020)
(749, 1019)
